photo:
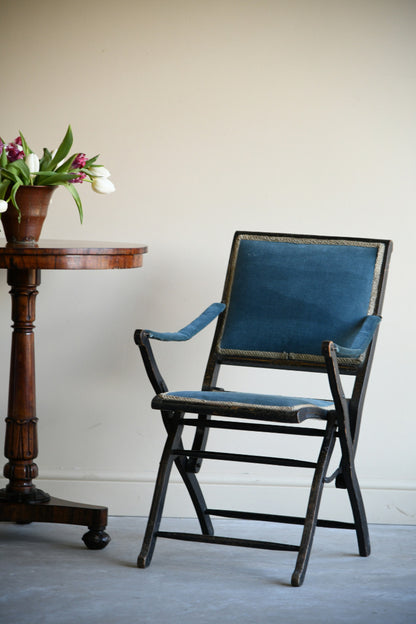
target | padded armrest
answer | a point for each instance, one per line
(361, 339)
(193, 328)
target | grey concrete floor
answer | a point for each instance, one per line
(47, 576)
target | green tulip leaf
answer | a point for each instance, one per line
(25, 146)
(63, 149)
(77, 199)
(66, 166)
(9, 175)
(13, 197)
(45, 160)
(20, 168)
(4, 185)
(52, 178)
(3, 156)
(91, 161)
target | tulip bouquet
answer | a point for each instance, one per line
(20, 166)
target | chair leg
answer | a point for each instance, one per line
(313, 505)
(193, 464)
(348, 477)
(158, 500)
(195, 492)
(356, 500)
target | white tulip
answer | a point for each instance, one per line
(3, 205)
(32, 162)
(98, 172)
(103, 185)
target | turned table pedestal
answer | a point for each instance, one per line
(21, 501)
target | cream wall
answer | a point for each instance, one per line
(212, 116)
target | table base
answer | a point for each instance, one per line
(59, 511)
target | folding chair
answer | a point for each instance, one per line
(304, 303)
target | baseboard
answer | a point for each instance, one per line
(130, 495)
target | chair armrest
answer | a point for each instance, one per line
(142, 339)
(361, 339)
(193, 328)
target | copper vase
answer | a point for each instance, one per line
(33, 202)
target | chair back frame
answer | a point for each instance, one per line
(307, 362)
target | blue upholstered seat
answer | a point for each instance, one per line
(245, 404)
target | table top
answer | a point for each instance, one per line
(68, 254)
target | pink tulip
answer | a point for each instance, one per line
(79, 161)
(15, 150)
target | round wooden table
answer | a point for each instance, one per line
(20, 500)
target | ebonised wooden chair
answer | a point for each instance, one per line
(304, 303)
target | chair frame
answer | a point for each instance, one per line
(343, 424)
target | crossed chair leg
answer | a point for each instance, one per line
(174, 443)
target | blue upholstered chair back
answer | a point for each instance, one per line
(285, 295)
